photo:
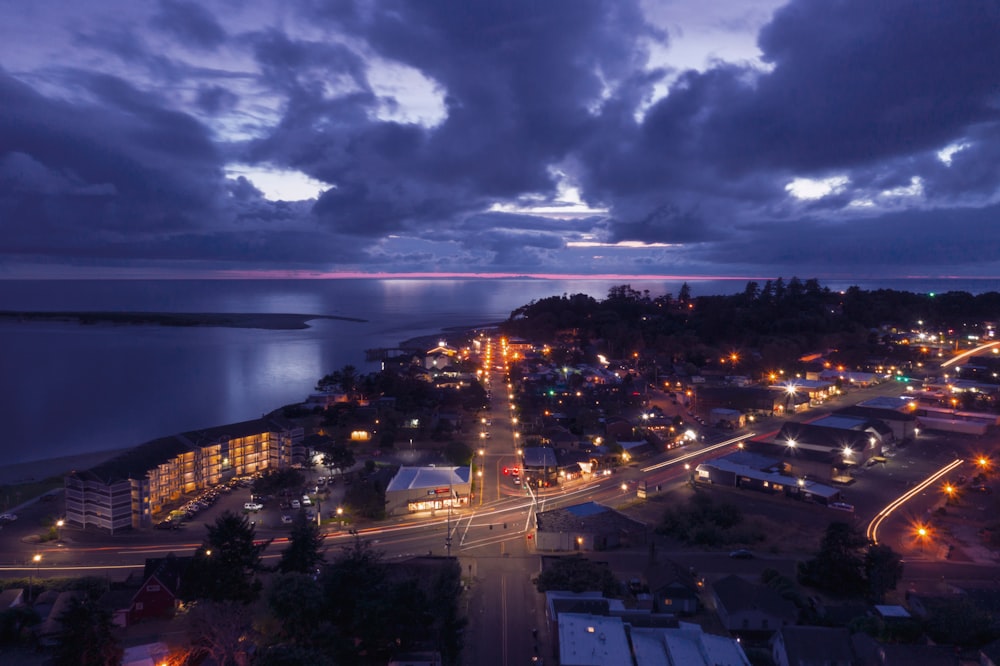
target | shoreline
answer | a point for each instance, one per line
(34, 471)
(270, 321)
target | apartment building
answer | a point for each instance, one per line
(132, 489)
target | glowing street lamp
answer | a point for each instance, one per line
(59, 526)
(37, 559)
(481, 493)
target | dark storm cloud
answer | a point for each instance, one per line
(518, 78)
(154, 160)
(122, 152)
(215, 99)
(190, 23)
(956, 239)
(867, 89)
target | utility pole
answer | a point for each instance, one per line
(451, 501)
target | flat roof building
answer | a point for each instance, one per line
(129, 490)
(428, 489)
(592, 640)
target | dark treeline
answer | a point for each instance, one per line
(778, 320)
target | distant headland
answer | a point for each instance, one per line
(273, 321)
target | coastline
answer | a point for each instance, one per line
(39, 470)
(270, 321)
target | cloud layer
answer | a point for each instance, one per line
(561, 137)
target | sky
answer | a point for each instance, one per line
(324, 138)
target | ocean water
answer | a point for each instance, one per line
(67, 388)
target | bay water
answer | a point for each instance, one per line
(67, 388)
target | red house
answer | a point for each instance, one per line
(157, 598)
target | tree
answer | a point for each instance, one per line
(86, 637)
(305, 543)
(221, 630)
(346, 378)
(14, 622)
(337, 457)
(358, 567)
(960, 621)
(274, 480)
(838, 567)
(883, 569)
(577, 574)
(225, 567)
(297, 602)
(458, 453)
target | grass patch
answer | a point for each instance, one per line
(703, 521)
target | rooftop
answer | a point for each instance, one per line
(592, 640)
(410, 478)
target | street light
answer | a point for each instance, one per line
(480, 475)
(37, 558)
(59, 526)
(340, 516)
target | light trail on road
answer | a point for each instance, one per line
(873, 526)
(967, 354)
(694, 454)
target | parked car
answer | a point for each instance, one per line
(253, 506)
(842, 506)
(8, 517)
(286, 519)
(306, 501)
(979, 488)
(741, 554)
(296, 504)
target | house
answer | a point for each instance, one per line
(540, 465)
(51, 611)
(807, 646)
(743, 606)
(158, 596)
(673, 588)
(118, 602)
(870, 652)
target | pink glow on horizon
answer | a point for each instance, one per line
(343, 275)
